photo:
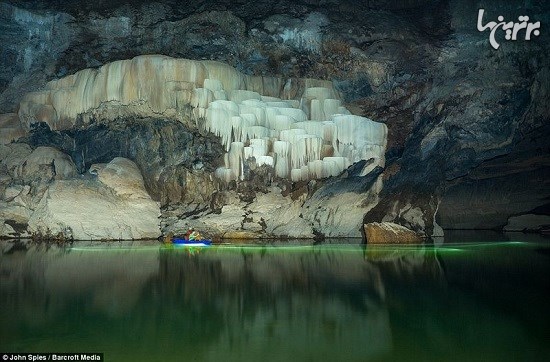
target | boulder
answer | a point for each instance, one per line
(122, 176)
(390, 233)
(113, 206)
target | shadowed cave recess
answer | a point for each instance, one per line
(270, 119)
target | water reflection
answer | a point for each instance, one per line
(146, 301)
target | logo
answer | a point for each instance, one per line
(513, 30)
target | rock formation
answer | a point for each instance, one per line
(43, 196)
(390, 233)
(460, 138)
(311, 137)
(115, 206)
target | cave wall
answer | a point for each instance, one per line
(468, 125)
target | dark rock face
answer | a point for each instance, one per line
(167, 152)
(468, 127)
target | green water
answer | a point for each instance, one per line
(458, 301)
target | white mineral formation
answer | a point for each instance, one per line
(241, 109)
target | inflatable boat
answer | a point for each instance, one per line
(178, 241)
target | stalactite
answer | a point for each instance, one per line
(264, 160)
(311, 127)
(295, 113)
(212, 84)
(236, 158)
(202, 97)
(315, 169)
(282, 167)
(306, 148)
(247, 152)
(259, 147)
(296, 175)
(239, 95)
(316, 110)
(338, 164)
(220, 95)
(225, 174)
(304, 170)
(331, 107)
(282, 122)
(281, 148)
(271, 114)
(290, 135)
(255, 132)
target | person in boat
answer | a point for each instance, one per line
(187, 235)
(195, 236)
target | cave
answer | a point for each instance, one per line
(279, 124)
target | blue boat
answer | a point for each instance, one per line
(184, 242)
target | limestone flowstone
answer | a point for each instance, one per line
(244, 111)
